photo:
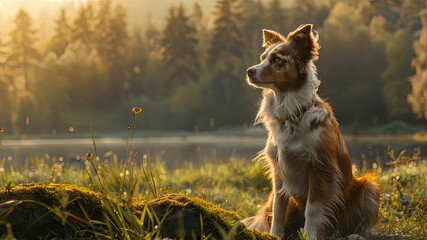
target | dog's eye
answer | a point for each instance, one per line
(277, 60)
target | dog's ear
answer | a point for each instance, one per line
(304, 41)
(302, 30)
(271, 37)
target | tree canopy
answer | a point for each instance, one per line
(190, 71)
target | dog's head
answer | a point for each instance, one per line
(285, 61)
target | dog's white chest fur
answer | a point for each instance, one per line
(292, 144)
(295, 150)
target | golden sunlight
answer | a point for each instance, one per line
(82, 1)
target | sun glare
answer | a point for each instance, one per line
(82, 1)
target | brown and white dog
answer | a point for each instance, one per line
(310, 168)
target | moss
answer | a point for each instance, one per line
(50, 194)
(39, 218)
(212, 215)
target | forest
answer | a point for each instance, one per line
(190, 72)
(75, 73)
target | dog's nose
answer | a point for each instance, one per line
(250, 72)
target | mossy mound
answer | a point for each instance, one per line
(52, 194)
(192, 216)
(39, 210)
(35, 211)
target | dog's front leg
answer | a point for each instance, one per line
(280, 203)
(314, 219)
(317, 205)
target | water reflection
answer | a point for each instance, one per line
(176, 150)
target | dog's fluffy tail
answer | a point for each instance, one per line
(368, 199)
(262, 219)
(362, 205)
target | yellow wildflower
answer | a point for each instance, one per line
(136, 110)
(1, 130)
(89, 155)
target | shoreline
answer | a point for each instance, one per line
(194, 139)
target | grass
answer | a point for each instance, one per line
(231, 189)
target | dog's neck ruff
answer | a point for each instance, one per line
(300, 112)
(293, 122)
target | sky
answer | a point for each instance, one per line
(44, 12)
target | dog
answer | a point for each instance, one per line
(308, 161)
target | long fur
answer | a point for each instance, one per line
(309, 163)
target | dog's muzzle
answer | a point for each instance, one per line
(251, 72)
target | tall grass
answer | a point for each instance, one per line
(117, 184)
(234, 184)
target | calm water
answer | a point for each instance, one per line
(197, 149)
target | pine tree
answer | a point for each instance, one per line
(152, 34)
(103, 27)
(117, 45)
(22, 39)
(196, 18)
(62, 35)
(276, 17)
(20, 66)
(2, 60)
(118, 35)
(90, 14)
(82, 29)
(178, 49)
(251, 14)
(226, 54)
(202, 35)
(227, 37)
(4, 83)
(155, 77)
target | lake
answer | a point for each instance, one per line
(197, 148)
